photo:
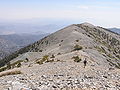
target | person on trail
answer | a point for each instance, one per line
(85, 62)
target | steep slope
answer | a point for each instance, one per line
(6, 47)
(11, 43)
(95, 41)
(56, 62)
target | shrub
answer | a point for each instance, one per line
(45, 58)
(59, 54)
(39, 62)
(10, 72)
(3, 69)
(77, 40)
(19, 64)
(27, 59)
(77, 47)
(52, 60)
(59, 44)
(52, 56)
(61, 40)
(76, 58)
(40, 50)
(8, 65)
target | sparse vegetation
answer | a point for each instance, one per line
(3, 68)
(52, 56)
(8, 65)
(58, 60)
(19, 64)
(59, 44)
(100, 49)
(11, 65)
(45, 58)
(61, 40)
(10, 72)
(76, 58)
(41, 61)
(51, 60)
(77, 47)
(59, 54)
(77, 40)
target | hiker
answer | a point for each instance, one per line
(85, 62)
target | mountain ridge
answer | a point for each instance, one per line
(58, 61)
(54, 39)
(117, 30)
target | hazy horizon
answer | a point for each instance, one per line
(103, 13)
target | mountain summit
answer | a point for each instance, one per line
(58, 60)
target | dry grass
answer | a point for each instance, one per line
(10, 72)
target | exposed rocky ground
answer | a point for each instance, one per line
(63, 76)
(56, 61)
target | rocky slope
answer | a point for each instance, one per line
(56, 61)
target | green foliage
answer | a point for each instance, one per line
(8, 65)
(14, 72)
(19, 64)
(45, 58)
(100, 49)
(118, 56)
(77, 47)
(12, 65)
(16, 64)
(118, 66)
(3, 68)
(39, 62)
(110, 55)
(52, 60)
(76, 58)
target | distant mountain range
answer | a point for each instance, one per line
(117, 30)
(13, 42)
(96, 41)
(6, 29)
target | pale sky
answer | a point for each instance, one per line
(99, 12)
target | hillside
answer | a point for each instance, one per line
(13, 42)
(56, 61)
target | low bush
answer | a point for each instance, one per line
(77, 47)
(45, 58)
(3, 68)
(77, 40)
(76, 58)
(10, 72)
(52, 56)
